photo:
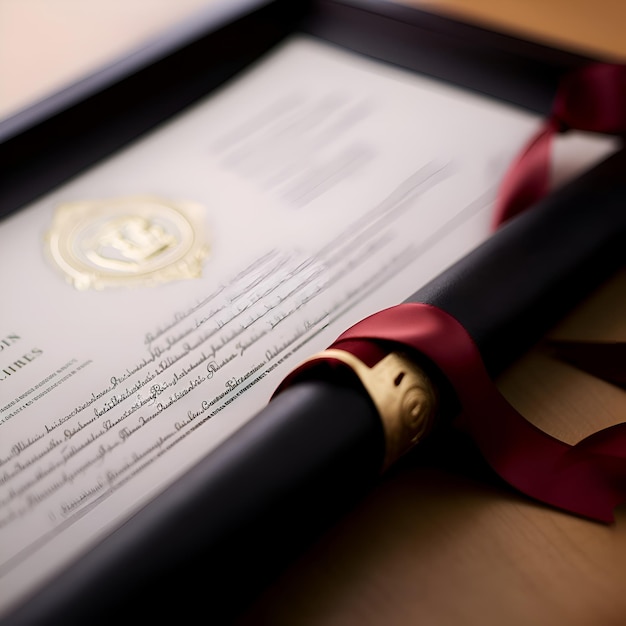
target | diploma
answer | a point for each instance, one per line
(154, 303)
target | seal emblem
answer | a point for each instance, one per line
(139, 240)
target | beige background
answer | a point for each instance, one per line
(45, 44)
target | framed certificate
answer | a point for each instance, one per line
(178, 232)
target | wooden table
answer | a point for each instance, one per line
(593, 28)
(440, 542)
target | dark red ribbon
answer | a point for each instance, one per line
(588, 479)
(592, 98)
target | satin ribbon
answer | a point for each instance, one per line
(592, 98)
(588, 479)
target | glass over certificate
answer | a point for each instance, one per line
(151, 306)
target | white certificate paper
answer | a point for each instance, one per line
(329, 186)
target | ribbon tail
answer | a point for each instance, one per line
(587, 479)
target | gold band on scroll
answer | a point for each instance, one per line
(403, 394)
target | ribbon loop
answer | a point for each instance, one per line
(592, 98)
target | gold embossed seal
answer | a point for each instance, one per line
(137, 240)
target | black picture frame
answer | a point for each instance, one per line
(56, 138)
